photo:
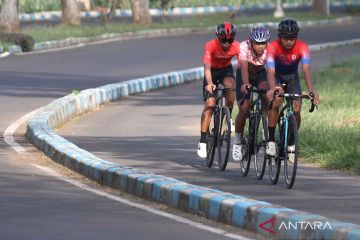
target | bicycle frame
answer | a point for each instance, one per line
(219, 138)
(286, 118)
(284, 122)
(255, 117)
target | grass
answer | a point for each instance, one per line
(41, 34)
(330, 136)
(5, 45)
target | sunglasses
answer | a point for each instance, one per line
(224, 40)
(289, 38)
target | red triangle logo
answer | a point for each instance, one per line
(269, 230)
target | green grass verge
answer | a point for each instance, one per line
(41, 34)
(330, 136)
(5, 45)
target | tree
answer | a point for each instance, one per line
(9, 17)
(322, 6)
(140, 12)
(70, 12)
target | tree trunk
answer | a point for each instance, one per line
(9, 17)
(322, 6)
(140, 12)
(70, 12)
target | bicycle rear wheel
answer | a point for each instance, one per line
(224, 138)
(211, 141)
(261, 133)
(291, 158)
(245, 161)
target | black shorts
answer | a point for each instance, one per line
(218, 75)
(254, 80)
(292, 82)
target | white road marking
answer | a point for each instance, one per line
(4, 54)
(8, 137)
(8, 134)
(142, 207)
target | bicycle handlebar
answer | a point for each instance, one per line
(293, 96)
(254, 90)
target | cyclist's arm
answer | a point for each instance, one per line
(207, 73)
(307, 76)
(306, 60)
(244, 67)
(310, 85)
(207, 66)
(270, 66)
(270, 73)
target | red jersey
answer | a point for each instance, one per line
(287, 61)
(216, 57)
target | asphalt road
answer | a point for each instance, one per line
(34, 205)
(159, 131)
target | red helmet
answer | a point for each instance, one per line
(226, 31)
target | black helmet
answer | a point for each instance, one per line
(288, 28)
(259, 34)
(226, 31)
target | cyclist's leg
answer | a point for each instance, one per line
(209, 105)
(227, 78)
(230, 95)
(261, 83)
(273, 115)
(240, 119)
(295, 87)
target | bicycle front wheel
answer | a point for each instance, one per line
(261, 133)
(211, 141)
(291, 152)
(224, 138)
(275, 162)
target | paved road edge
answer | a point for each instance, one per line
(263, 218)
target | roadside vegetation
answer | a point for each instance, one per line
(330, 137)
(31, 6)
(42, 33)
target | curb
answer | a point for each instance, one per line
(164, 32)
(263, 218)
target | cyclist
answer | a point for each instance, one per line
(250, 71)
(218, 53)
(282, 60)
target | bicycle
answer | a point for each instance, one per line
(287, 132)
(219, 133)
(256, 136)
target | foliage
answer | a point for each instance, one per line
(26, 42)
(330, 137)
(162, 4)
